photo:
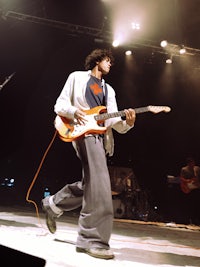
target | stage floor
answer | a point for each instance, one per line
(135, 243)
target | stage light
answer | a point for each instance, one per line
(163, 43)
(128, 53)
(169, 60)
(135, 26)
(7, 182)
(182, 50)
(115, 43)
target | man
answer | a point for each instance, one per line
(190, 186)
(83, 91)
(190, 176)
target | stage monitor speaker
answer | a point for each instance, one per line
(12, 257)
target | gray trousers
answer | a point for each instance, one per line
(93, 193)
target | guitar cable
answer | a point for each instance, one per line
(36, 175)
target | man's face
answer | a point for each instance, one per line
(104, 65)
(191, 164)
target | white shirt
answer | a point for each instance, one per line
(72, 97)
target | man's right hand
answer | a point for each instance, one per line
(79, 115)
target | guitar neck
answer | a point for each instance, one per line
(105, 116)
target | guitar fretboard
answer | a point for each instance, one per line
(105, 116)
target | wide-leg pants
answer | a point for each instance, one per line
(93, 193)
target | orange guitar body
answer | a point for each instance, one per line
(69, 130)
(187, 185)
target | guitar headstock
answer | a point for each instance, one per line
(157, 109)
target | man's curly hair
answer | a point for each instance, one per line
(97, 55)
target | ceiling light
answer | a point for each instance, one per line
(169, 60)
(115, 43)
(163, 43)
(182, 50)
(128, 53)
(135, 25)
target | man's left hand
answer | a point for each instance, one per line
(130, 116)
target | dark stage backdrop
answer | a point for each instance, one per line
(155, 147)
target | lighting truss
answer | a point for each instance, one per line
(68, 27)
(99, 34)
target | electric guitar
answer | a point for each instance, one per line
(186, 185)
(69, 130)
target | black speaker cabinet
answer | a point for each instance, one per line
(11, 257)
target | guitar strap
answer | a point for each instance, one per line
(105, 90)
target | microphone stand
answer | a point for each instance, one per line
(6, 81)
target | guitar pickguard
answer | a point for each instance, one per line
(69, 130)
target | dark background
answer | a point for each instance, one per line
(41, 56)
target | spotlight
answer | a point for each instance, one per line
(115, 43)
(128, 53)
(135, 26)
(163, 43)
(182, 50)
(7, 182)
(169, 60)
